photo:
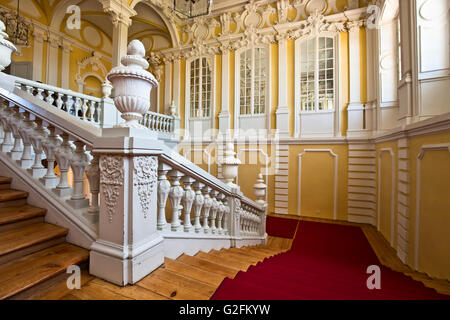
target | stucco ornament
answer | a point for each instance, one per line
(6, 48)
(132, 85)
(145, 178)
(111, 179)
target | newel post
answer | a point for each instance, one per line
(128, 246)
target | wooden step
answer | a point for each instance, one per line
(252, 252)
(193, 272)
(12, 198)
(236, 256)
(11, 218)
(208, 266)
(28, 239)
(5, 183)
(181, 290)
(26, 272)
(181, 281)
(98, 289)
(231, 263)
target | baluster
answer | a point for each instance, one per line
(7, 143)
(59, 100)
(221, 212)
(208, 202)
(91, 111)
(63, 155)
(53, 141)
(37, 137)
(93, 176)
(188, 200)
(77, 107)
(69, 103)
(29, 89)
(163, 193)
(15, 121)
(84, 109)
(49, 99)
(214, 208)
(226, 217)
(39, 93)
(175, 195)
(25, 130)
(152, 122)
(198, 204)
(78, 162)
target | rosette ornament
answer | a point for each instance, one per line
(132, 86)
(6, 48)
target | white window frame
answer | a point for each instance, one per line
(188, 92)
(237, 87)
(337, 88)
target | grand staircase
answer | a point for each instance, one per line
(34, 257)
(31, 251)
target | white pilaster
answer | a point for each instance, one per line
(282, 113)
(52, 59)
(224, 116)
(167, 86)
(355, 108)
(65, 63)
(121, 15)
(176, 82)
(39, 36)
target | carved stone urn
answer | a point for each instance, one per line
(6, 48)
(106, 89)
(230, 165)
(132, 85)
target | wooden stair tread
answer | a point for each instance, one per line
(23, 273)
(208, 266)
(236, 255)
(231, 263)
(253, 252)
(5, 180)
(15, 214)
(171, 290)
(98, 289)
(193, 272)
(10, 194)
(27, 236)
(178, 280)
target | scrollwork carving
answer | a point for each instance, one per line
(111, 179)
(145, 178)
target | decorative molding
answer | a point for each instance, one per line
(95, 63)
(111, 179)
(145, 178)
(335, 178)
(423, 149)
(394, 171)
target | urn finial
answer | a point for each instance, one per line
(132, 85)
(6, 48)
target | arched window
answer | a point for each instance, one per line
(316, 85)
(317, 75)
(253, 81)
(201, 88)
(252, 71)
(200, 93)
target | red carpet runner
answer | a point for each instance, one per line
(281, 227)
(327, 261)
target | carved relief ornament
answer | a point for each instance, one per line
(111, 179)
(145, 179)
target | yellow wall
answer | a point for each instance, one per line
(317, 181)
(387, 189)
(434, 220)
